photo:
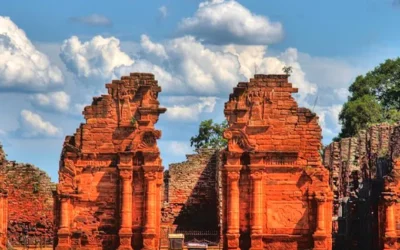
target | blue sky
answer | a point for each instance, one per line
(56, 55)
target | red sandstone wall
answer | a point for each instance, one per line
(30, 202)
(191, 196)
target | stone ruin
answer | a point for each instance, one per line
(365, 175)
(26, 204)
(267, 190)
(276, 190)
(111, 176)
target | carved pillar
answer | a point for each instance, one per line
(125, 232)
(159, 184)
(390, 238)
(125, 168)
(149, 228)
(152, 167)
(256, 173)
(320, 199)
(257, 208)
(233, 175)
(64, 241)
(320, 235)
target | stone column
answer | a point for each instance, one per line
(390, 238)
(125, 167)
(3, 219)
(320, 235)
(256, 173)
(64, 231)
(320, 213)
(233, 175)
(257, 209)
(149, 234)
(152, 167)
(125, 232)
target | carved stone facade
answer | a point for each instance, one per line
(109, 195)
(276, 190)
(365, 174)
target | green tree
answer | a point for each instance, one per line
(210, 135)
(374, 98)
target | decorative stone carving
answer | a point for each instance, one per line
(233, 176)
(237, 141)
(288, 215)
(126, 174)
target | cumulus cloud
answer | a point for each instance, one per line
(33, 125)
(184, 65)
(190, 112)
(95, 58)
(153, 48)
(163, 11)
(22, 66)
(168, 81)
(253, 59)
(225, 22)
(92, 20)
(56, 101)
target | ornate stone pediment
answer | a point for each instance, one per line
(149, 139)
(238, 141)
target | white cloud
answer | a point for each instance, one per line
(93, 20)
(58, 101)
(33, 125)
(253, 59)
(168, 81)
(203, 70)
(225, 22)
(190, 112)
(153, 48)
(95, 58)
(184, 65)
(22, 66)
(163, 10)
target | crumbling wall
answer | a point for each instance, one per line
(30, 203)
(277, 191)
(358, 167)
(109, 195)
(191, 196)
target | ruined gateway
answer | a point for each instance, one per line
(269, 187)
